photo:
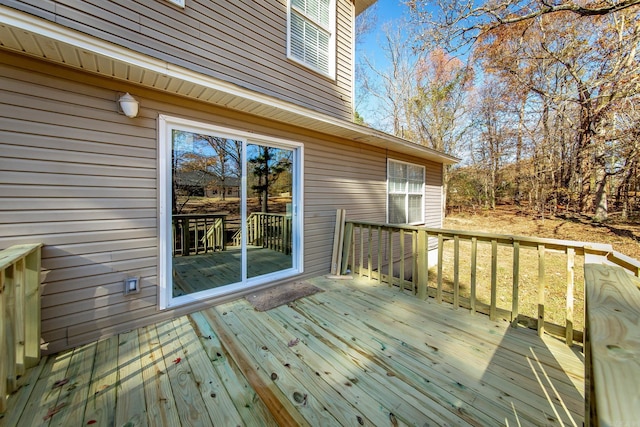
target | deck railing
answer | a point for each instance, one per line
(399, 256)
(19, 314)
(268, 230)
(198, 233)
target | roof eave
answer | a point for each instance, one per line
(97, 56)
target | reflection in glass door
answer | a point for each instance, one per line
(269, 201)
(206, 211)
(229, 210)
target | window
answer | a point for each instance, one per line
(405, 189)
(311, 34)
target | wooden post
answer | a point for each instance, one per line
(422, 264)
(414, 261)
(541, 286)
(346, 246)
(390, 246)
(494, 279)
(440, 252)
(570, 289)
(369, 251)
(402, 256)
(10, 327)
(379, 254)
(20, 313)
(338, 236)
(474, 262)
(456, 272)
(516, 282)
(361, 265)
(3, 342)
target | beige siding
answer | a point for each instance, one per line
(240, 42)
(82, 179)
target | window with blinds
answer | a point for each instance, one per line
(405, 191)
(311, 34)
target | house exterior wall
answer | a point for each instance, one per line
(83, 179)
(243, 43)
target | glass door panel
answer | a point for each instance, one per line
(206, 197)
(269, 209)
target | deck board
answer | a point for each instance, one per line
(358, 353)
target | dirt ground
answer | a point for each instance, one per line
(623, 235)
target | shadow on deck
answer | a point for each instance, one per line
(358, 353)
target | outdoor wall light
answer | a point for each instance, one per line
(131, 285)
(128, 105)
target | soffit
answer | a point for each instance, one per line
(362, 5)
(29, 35)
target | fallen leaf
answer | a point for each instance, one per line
(91, 422)
(177, 360)
(60, 383)
(52, 411)
(294, 342)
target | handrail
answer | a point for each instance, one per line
(19, 314)
(611, 346)
(368, 247)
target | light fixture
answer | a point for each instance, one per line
(128, 105)
(131, 285)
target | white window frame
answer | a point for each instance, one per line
(407, 193)
(165, 126)
(331, 30)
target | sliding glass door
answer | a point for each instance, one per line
(229, 210)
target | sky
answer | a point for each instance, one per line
(387, 10)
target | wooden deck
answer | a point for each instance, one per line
(356, 354)
(200, 272)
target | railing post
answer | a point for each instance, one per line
(379, 254)
(10, 327)
(4, 348)
(422, 264)
(494, 279)
(474, 262)
(390, 246)
(361, 264)
(456, 272)
(346, 247)
(369, 252)
(570, 290)
(402, 256)
(516, 283)
(541, 286)
(440, 257)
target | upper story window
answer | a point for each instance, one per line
(405, 190)
(311, 34)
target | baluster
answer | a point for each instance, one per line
(516, 282)
(494, 279)
(474, 263)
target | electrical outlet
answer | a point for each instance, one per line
(131, 285)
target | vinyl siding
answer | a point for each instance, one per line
(239, 42)
(82, 179)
